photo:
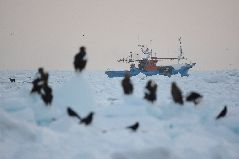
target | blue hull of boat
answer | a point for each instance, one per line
(183, 71)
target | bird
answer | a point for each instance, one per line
(47, 98)
(151, 89)
(46, 94)
(127, 85)
(40, 71)
(44, 77)
(177, 94)
(41, 79)
(194, 97)
(222, 113)
(80, 60)
(37, 86)
(133, 127)
(72, 113)
(88, 119)
(46, 88)
(12, 80)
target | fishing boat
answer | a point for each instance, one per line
(148, 64)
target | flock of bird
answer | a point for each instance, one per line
(150, 95)
(41, 87)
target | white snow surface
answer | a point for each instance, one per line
(31, 130)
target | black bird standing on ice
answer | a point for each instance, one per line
(38, 82)
(127, 85)
(46, 94)
(40, 72)
(151, 89)
(80, 60)
(176, 93)
(72, 113)
(12, 80)
(46, 91)
(194, 97)
(133, 127)
(223, 113)
(36, 86)
(47, 99)
(44, 77)
(88, 119)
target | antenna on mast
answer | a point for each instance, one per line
(151, 50)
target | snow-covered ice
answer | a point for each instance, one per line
(31, 130)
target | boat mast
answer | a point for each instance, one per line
(180, 50)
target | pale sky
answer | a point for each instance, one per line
(48, 33)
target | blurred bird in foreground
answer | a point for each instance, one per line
(37, 83)
(72, 113)
(46, 94)
(88, 119)
(223, 113)
(176, 94)
(194, 97)
(150, 91)
(80, 60)
(134, 127)
(127, 85)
